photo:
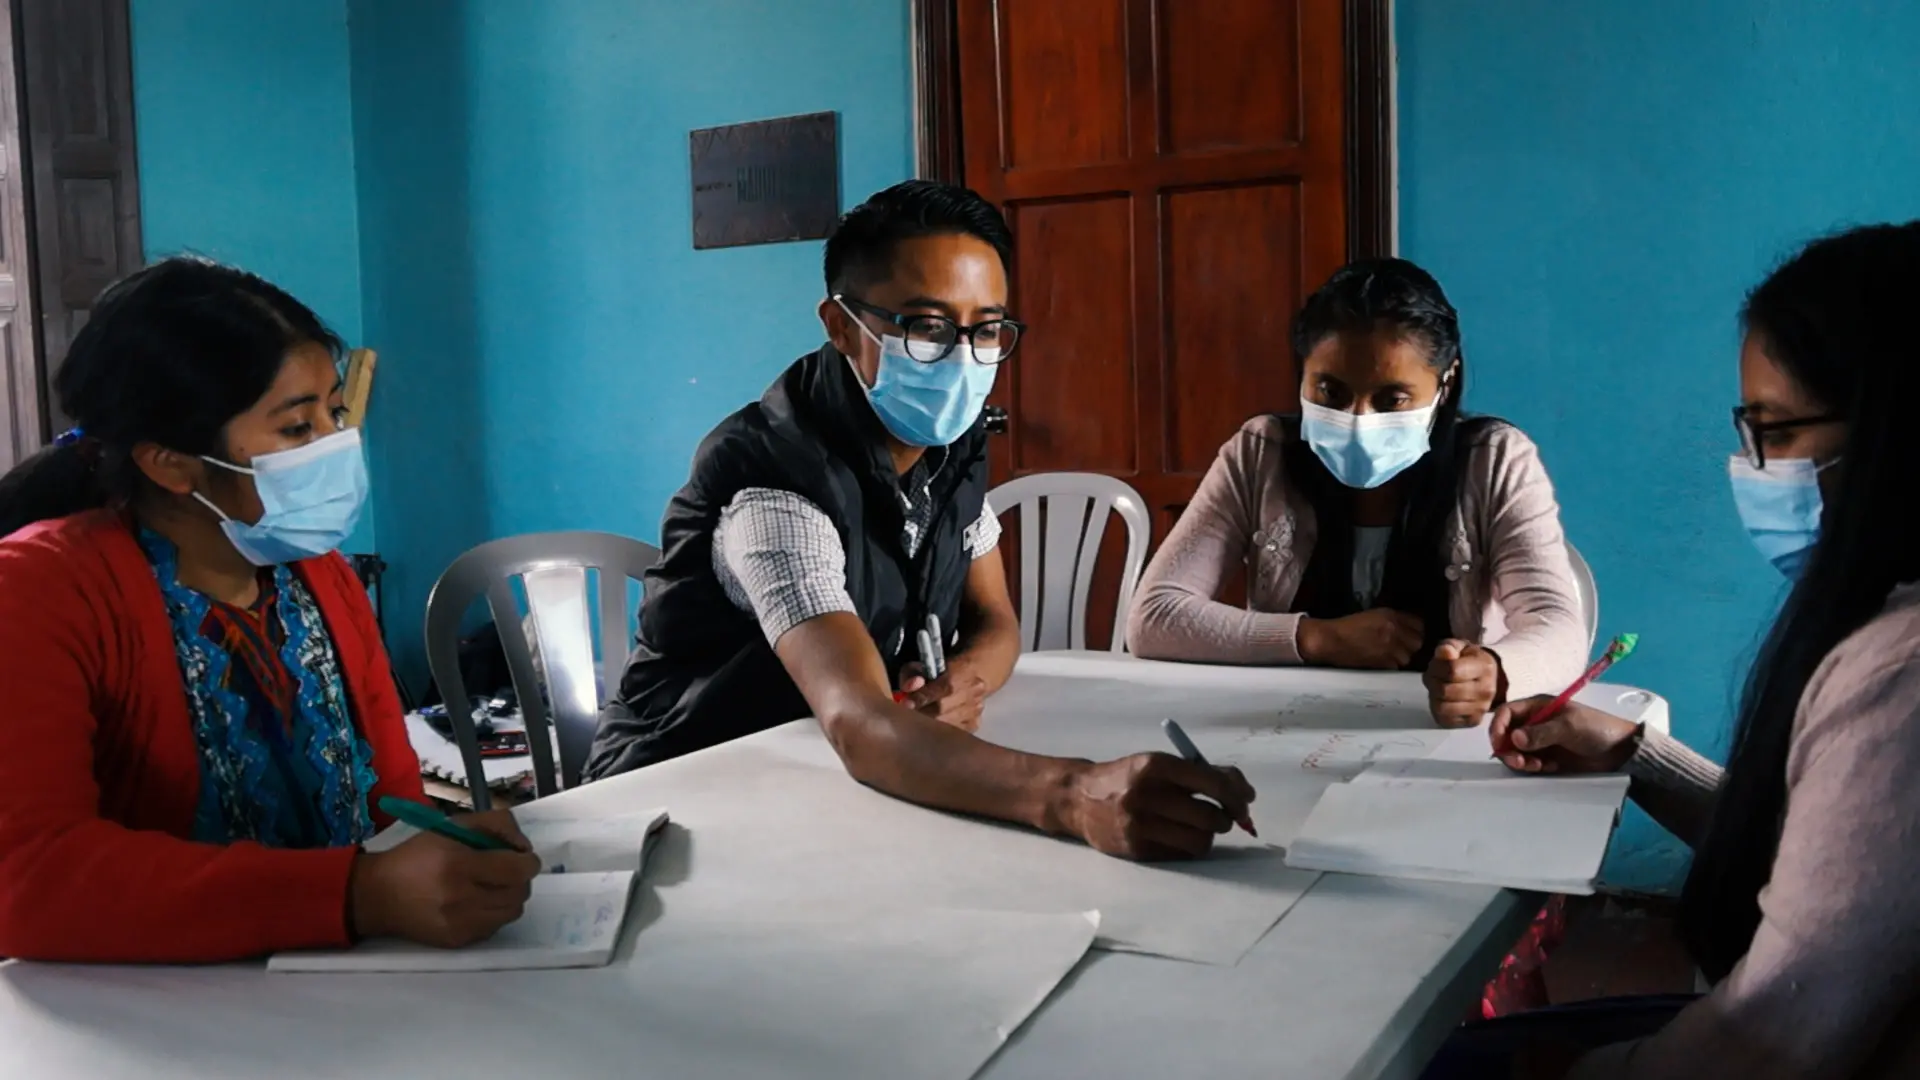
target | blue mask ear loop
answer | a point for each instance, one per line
(230, 467)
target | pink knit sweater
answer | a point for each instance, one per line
(1830, 988)
(1512, 583)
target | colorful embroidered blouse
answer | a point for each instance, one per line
(280, 760)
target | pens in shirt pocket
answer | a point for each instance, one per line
(933, 655)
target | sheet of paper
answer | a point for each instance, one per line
(1436, 832)
(925, 995)
(571, 921)
(744, 843)
(1457, 814)
(1466, 744)
(1463, 759)
(566, 845)
(594, 845)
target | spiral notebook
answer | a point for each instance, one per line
(572, 920)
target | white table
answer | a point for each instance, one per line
(1363, 977)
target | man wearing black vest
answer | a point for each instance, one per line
(824, 524)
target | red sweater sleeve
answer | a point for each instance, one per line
(75, 886)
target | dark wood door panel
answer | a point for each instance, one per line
(1073, 377)
(1243, 52)
(78, 84)
(1062, 82)
(21, 430)
(1176, 173)
(1232, 263)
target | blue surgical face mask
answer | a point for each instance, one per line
(312, 496)
(1780, 505)
(927, 404)
(1365, 451)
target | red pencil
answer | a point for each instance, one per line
(1621, 647)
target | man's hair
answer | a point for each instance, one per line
(860, 251)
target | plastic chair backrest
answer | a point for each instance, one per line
(1589, 593)
(1058, 547)
(552, 569)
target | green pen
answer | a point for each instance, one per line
(431, 820)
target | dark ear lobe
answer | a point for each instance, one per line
(168, 470)
(838, 325)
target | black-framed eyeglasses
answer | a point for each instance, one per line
(931, 338)
(1753, 433)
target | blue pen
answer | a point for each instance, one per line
(1184, 746)
(431, 820)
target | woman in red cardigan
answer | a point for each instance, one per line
(197, 713)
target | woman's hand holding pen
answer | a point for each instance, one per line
(1577, 739)
(439, 892)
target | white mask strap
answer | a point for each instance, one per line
(229, 466)
(857, 321)
(208, 503)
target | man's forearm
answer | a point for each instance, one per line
(914, 757)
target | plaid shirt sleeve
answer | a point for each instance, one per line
(779, 556)
(984, 536)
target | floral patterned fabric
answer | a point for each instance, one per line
(280, 761)
(1522, 982)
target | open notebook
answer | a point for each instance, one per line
(573, 919)
(1458, 815)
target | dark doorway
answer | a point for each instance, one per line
(21, 423)
(76, 83)
(1178, 174)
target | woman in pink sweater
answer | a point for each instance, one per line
(1382, 528)
(1800, 905)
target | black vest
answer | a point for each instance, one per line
(702, 672)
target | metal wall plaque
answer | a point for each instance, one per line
(766, 182)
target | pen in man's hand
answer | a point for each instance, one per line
(1184, 746)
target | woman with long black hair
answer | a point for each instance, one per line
(1800, 905)
(1383, 527)
(197, 708)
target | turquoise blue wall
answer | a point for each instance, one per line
(494, 194)
(245, 132)
(1597, 184)
(552, 347)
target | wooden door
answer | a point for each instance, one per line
(1176, 173)
(77, 75)
(21, 431)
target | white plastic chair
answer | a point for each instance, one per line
(552, 568)
(1589, 593)
(1056, 569)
